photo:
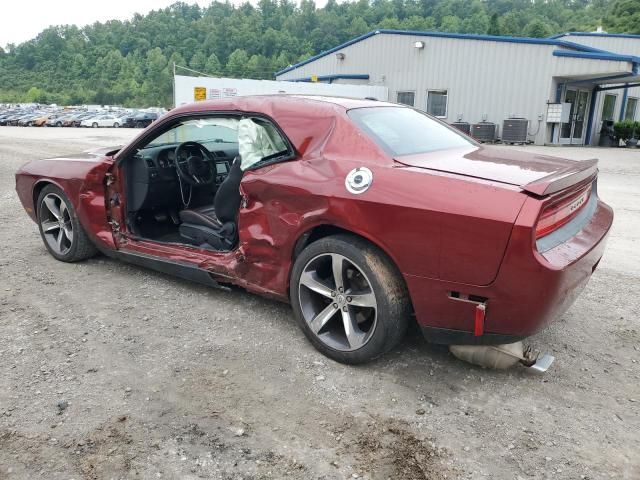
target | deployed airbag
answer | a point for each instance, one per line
(254, 143)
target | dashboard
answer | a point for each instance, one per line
(159, 162)
(153, 180)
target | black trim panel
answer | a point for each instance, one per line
(180, 270)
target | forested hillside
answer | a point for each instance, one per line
(130, 63)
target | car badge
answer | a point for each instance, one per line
(359, 180)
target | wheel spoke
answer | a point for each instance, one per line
(337, 263)
(355, 336)
(322, 318)
(310, 280)
(363, 300)
(49, 226)
(68, 232)
(59, 239)
(63, 209)
(53, 208)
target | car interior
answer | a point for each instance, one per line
(184, 185)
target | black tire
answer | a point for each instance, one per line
(139, 125)
(393, 305)
(94, 125)
(80, 247)
(116, 125)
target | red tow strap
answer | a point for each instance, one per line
(478, 329)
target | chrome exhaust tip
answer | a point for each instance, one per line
(501, 357)
(542, 363)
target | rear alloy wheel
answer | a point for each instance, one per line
(60, 229)
(94, 125)
(116, 125)
(349, 299)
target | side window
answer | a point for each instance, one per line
(255, 139)
(630, 110)
(437, 103)
(608, 107)
(406, 98)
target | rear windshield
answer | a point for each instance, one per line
(404, 131)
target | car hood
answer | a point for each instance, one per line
(103, 151)
(539, 174)
(90, 155)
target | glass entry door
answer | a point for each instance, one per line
(574, 130)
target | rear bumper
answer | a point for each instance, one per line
(530, 290)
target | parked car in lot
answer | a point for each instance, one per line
(140, 120)
(54, 116)
(101, 121)
(56, 120)
(27, 120)
(361, 214)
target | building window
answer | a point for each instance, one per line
(609, 107)
(407, 98)
(630, 110)
(437, 103)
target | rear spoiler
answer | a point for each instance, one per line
(564, 178)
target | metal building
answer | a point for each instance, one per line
(563, 86)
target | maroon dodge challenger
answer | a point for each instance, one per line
(362, 214)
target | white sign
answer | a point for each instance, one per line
(235, 87)
(558, 112)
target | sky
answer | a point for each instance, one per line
(22, 20)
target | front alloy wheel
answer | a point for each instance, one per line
(60, 228)
(55, 220)
(349, 298)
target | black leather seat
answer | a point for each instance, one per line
(205, 216)
(215, 225)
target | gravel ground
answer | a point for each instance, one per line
(112, 371)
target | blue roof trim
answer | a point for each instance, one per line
(460, 36)
(331, 78)
(326, 52)
(596, 34)
(597, 56)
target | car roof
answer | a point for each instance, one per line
(259, 103)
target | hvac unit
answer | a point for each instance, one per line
(464, 127)
(514, 130)
(484, 131)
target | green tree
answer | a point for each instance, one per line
(213, 65)
(450, 23)
(477, 23)
(237, 63)
(624, 17)
(494, 25)
(537, 28)
(198, 61)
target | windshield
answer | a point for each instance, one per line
(404, 131)
(203, 130)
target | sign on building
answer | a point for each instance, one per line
(189, 89)
(199, 93)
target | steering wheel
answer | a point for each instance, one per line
(195, 170)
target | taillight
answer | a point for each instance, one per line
(561, 212)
